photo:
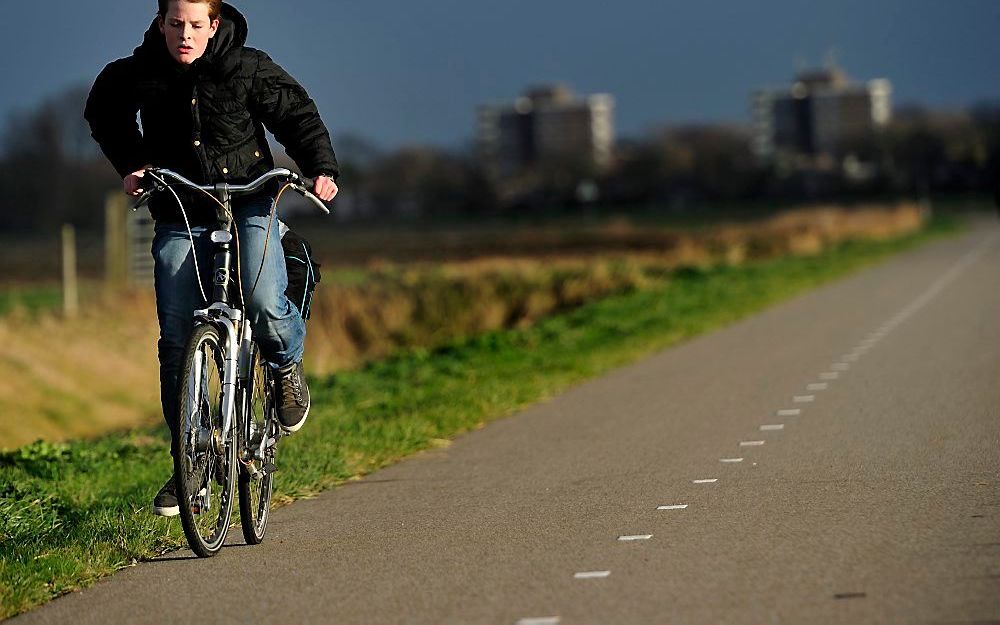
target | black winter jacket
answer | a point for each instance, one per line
(205, 121)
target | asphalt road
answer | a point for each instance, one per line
(866, 417)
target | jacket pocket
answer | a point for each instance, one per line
(241, 163)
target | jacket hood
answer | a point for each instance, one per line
(231, 36)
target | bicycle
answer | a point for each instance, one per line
(227, 429)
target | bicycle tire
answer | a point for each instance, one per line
(202, 460)
(257, 420)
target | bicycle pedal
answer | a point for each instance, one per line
(268, 469)
(201, 502)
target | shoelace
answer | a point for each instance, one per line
(290, 389)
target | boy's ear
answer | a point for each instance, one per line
(159, 22)
(215, 27)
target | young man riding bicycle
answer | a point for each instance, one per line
(204, 100)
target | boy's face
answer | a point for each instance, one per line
(187, 29)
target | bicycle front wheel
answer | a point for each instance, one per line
(260, 434)
(204, 456)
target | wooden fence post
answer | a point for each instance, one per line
(115, 244)
(71, 295)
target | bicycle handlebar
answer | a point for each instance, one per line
(298, 184)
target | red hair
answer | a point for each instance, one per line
(214, 7)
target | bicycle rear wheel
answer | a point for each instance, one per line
(260, 433)
(204, 461)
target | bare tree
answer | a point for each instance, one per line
(51, 171)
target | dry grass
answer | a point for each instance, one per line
(61, 379)
(64, 379)
(422, 304)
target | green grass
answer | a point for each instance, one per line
(72, 513)
(30, 298)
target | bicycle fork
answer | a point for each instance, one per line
(230, 374)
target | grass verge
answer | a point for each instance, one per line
(72, 513)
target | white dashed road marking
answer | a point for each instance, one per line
(803, 399)
(633, 537)
(711, 480)
(730, 460)
(789, 412)
(751, 443)
(772, 427)
(675, 506)
(818, 386)
(542, 620)
(829, 375)
(840, 366)
(591, 574)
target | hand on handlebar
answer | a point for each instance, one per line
(324, 188)
(132, 183)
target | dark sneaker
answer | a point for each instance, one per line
(293, 397)
(165, 502)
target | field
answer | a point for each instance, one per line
(97, 373)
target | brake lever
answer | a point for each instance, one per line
(143, 200)
(306, 193)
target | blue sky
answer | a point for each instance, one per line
(406, 71)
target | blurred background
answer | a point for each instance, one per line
(509, 144)
(448, 108)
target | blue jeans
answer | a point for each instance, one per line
(277, 325)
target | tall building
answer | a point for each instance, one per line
(547, 124)
(822, 114)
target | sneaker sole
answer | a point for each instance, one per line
(289, 429)
(166, 510)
